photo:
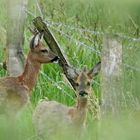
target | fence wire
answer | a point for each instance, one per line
(77, 42)
(60, 24)
(90, 47)
(93, 32)
(56, 25)
(56, 84)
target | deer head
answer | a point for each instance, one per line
(83, 81)
(39, 52)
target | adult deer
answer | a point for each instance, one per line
(15, 91)
(51, 117)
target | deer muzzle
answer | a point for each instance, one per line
(83, 93)
(55, 59)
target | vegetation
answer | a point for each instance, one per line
(79, 27)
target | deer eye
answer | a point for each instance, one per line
(88, 83)
(44, 51)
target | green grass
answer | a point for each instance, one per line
(96, 15)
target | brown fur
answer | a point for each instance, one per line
(51, 117)
(15, 91)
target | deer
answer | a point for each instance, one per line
(16, 91)
(51, 117)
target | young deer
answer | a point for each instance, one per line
(15, 91)
(51, 117)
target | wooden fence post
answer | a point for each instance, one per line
(15, 36)
(111, 74)
(68, 70)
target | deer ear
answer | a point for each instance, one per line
(41, 35)
(36, 39)
(95, 70)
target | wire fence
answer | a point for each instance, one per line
(121, 35)
(128, 96)
(56, 84)
(63, 28)
(56, 25)
(79, 43)
(60, 24)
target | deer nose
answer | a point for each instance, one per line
(83, 93)
(56, 58)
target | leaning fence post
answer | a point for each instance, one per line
(111, 71)
(68, 70)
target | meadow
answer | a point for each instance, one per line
(80, 26)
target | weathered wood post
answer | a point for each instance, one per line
(68, 70)
(15, 36)
(111, 74)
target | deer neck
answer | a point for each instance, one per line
(80, 111)
(81, 104)
(30, 74)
